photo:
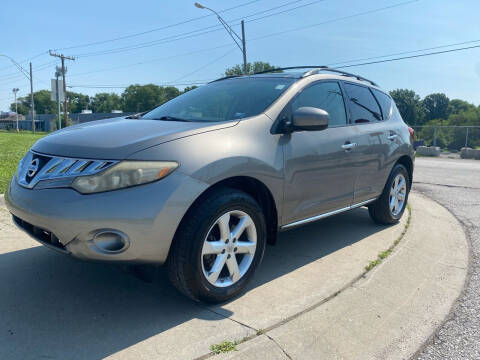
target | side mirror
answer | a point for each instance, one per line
(310, 119)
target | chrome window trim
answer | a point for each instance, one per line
(327, 214)
(58, 167)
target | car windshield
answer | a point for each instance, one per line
(229, 99)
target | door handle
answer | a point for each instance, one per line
(348, 146)
(392, 137)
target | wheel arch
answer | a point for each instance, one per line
(408, 163)
(255, 188)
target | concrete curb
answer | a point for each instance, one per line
(391, 311)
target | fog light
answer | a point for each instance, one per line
(111, 241)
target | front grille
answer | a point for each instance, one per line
(44, 236)
(59, 171)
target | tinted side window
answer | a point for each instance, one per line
(326, 96)
(363, 105)
(385, 102)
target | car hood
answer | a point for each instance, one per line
(118, 138)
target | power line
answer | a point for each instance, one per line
(26, 60)
(330, 64)
(155, 29)
(201, 82)
(226, 45)
(413, 56)
(137, 34)
(404, 52)
(206, 65)
(217, 27)
(193, 82)
(38, 68)
(198, 32)
(16, 79)
(335, 19)
(152, 60)
(410, 57)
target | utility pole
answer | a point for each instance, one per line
(63, 57)
(244, 49)
(58, 71)
(31, 99)
(15, 90)
(239, 41)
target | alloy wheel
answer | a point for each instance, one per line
(229, 248)
(398, 194)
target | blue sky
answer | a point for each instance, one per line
(33, 27)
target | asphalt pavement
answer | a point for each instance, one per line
(456, 185)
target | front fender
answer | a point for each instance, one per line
(247, 149)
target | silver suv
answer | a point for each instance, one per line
(206, 180)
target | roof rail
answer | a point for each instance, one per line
(316, 69)
(225, 77)
(341, 72)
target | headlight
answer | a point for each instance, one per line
(124, 174)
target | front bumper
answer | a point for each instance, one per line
(148, 216)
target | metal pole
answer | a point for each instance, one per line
(31, 99)
(16, 105)
(244, 49)
(15, 90)
(435, 136)
(58, 103)
(65, 110)
(466, 138)
(16, 109)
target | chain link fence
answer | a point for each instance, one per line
(448, 137)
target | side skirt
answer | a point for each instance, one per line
(327, 214)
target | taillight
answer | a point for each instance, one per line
(412, 135)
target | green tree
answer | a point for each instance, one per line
(170, 92)
(409, 105)
(137, 98)
(457, 106)
(436, 106)
(76, 102)
(251, 69)
(43, 104)
(23, 106)
(188, 88)
(106, 102)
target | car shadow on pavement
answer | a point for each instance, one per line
(53, 306)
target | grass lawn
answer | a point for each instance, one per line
(12, 148)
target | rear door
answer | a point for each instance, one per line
(318, 166)
(370, 136)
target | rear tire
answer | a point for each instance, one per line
(390, 206)
(218, 246)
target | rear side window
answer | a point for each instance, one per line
(326, 96)
(363, 106)
(385, 102)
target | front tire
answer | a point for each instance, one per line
(218, 246)
(390, 206)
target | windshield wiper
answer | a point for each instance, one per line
(170, 118)
(136, 116)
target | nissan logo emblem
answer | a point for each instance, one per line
(33, 167)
